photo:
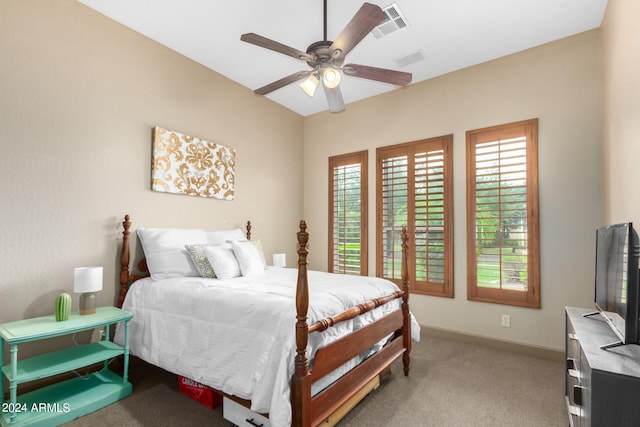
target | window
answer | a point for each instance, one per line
(414, 189)
(348, 213)
(503, 249)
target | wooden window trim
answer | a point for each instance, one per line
(360, 157)
(445, 289)
(531, 297)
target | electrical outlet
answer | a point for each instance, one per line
(506, 320)
(97, 335)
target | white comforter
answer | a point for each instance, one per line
(238, 335)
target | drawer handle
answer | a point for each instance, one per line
(571, 363)
(577, 395)
(573, 373)
(253, 423)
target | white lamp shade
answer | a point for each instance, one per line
(87, 279)
(279, 260)
(310, 85)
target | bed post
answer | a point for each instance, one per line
(248, 230)
(406, 327)
(301, 381)
(124, 260)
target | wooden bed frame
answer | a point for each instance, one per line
(330, 405)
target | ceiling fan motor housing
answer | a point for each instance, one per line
(323, 56)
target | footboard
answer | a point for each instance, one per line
(332, 399)
(358, 382)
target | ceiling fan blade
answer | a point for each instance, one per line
(275, 46)
(366, 19)
(399, 78)
(283, 82)
(334, 99)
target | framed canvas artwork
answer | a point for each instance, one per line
(183, 164)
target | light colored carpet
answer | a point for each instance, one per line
(450, 384)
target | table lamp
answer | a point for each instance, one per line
(87, 280)
(279, 260)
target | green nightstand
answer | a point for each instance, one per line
(67, 400)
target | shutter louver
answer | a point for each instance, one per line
(501, 213)
(346, 224)
(394, 213)
(348, 213)
(429, 216)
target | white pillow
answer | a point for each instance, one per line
(258, 244)
(165, 251)
(223, 261)
(222, 236)
(248, 257)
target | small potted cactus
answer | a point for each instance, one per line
(63, 307)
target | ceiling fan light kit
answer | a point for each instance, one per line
(310, 85)
(331, 78)
(326, 58)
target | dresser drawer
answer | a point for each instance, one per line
(242, 416)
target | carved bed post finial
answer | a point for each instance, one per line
(406, 328)
(124, 260)
(301, 381)
(248, 230)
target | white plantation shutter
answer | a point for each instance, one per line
(347, 214)
(414, 190)
(502, 233)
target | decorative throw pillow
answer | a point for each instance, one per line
(200, 260)
(223, 261)
(248, 257)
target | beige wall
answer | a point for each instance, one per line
(621, 111)
(557, 83)
(79, 95)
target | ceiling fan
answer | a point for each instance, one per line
(326, 58)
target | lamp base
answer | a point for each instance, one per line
(87, 303)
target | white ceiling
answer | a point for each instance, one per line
(451, 34)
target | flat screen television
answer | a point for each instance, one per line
(616, 281)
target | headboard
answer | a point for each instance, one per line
(126, 277)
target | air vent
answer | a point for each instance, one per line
(395, 21)
(409, 59)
